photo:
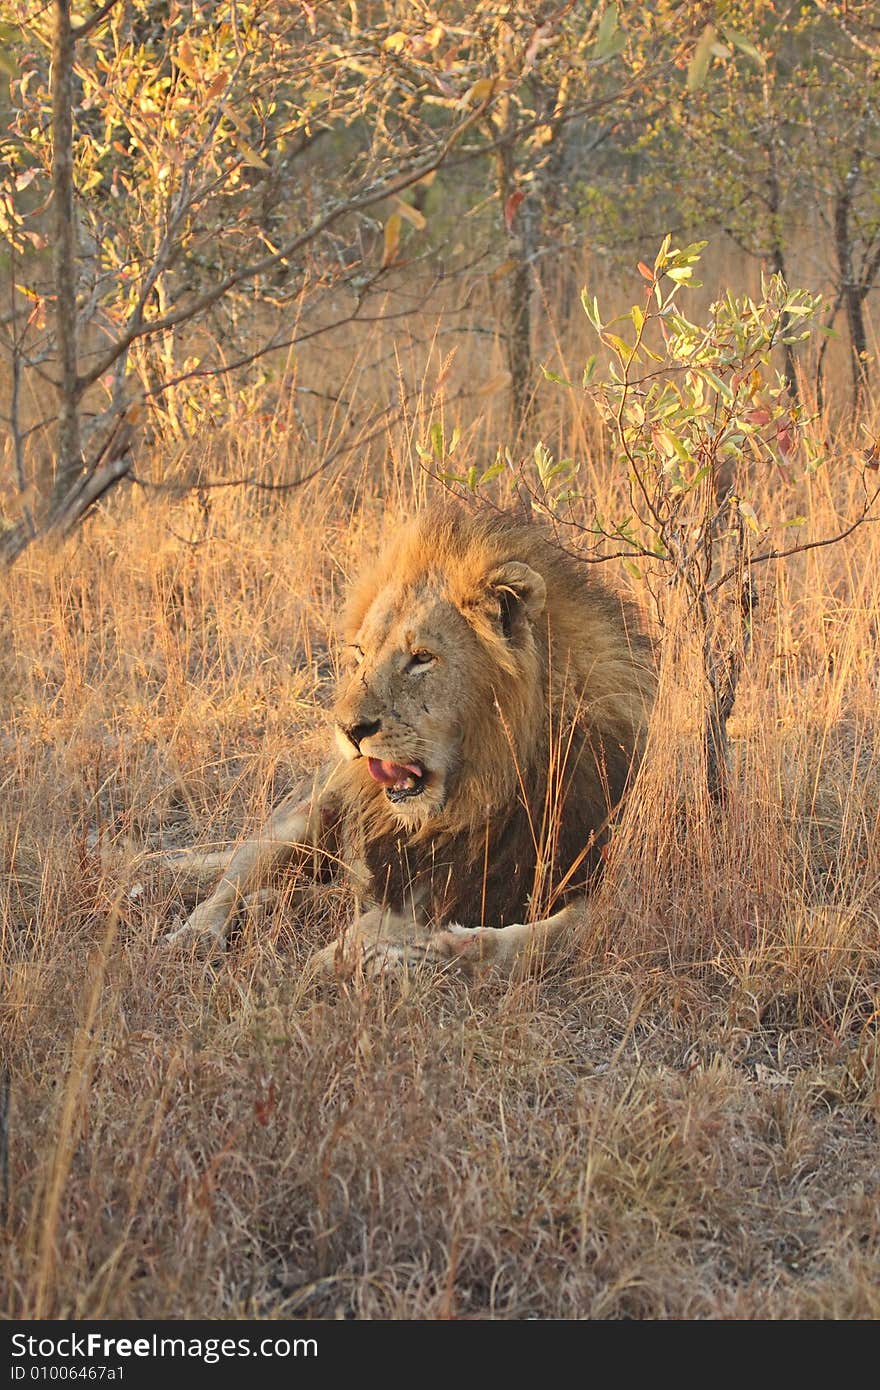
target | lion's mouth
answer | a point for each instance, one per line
(400, 780)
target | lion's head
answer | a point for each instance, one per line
(427, 657)
(472, 645)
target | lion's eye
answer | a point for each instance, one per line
(420, 658)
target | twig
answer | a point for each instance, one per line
(138, 329)
(860, 520)
(82, 31)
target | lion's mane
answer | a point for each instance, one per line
(552, 727)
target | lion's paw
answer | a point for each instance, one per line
(470, 947)
(200, 929)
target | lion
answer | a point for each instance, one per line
(489, 718)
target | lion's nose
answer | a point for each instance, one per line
(357, 732)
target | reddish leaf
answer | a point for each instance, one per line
(646, 272)
(785, 440)
(217, 86)
(510, 207)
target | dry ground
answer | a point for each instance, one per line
(680, 1121)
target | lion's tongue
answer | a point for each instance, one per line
(398, 775)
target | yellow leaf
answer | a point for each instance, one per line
(413, 216)
(237, 120)
(481, 90)
(249, 154)
(185, 60)
(392, 240)
(396, 42)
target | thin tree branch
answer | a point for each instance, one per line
(864, 516)
(138, 329)
(82, 31)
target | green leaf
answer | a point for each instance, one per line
(591, 309)
(616, 44)
(622, 349)
(543, 460)
(678, 445)
(721, 387)
(608, 27)
(662, 256)
(699, 64)
(743, 44)
(554, 376)
(589, 371)
(556, 470)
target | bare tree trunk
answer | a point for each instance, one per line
(519, 343)
(518, 317)
(69, 463)
(723, 674)
(777, 260)
(76, 488)
(852, 293)
(774, 207)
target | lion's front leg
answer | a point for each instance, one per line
(384, 942)
(297, 828)
(379, 942)
(504, 948)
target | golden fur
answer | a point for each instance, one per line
(491, 715)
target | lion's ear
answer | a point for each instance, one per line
(518, 589)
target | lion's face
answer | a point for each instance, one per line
(426, 669)
(400, 704)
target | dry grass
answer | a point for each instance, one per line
(680, 1122)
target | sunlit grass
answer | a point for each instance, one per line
(680, 1122)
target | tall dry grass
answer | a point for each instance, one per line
(679, 1121)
